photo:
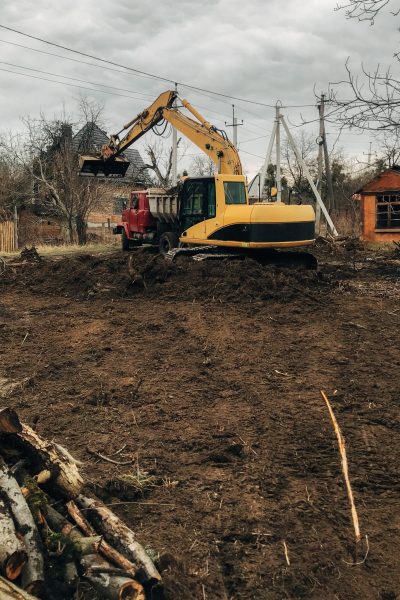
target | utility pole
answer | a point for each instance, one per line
(278, 154)
(328, 172)
(235, 125)
(309, 178)
(174, 157)
(267, 162)
(369, 154)
(320, 159)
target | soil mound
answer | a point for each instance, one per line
(143, 272)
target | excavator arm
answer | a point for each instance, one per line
(208, 138)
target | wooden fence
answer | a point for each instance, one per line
(7, 236)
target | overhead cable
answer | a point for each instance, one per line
(145, 73)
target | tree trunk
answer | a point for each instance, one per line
(123, 538)
(72, 234)
(105, 549)
(32, 573)
(9, 421)
(9, 591)
(51, 456)
(81, 230)
(12, 555)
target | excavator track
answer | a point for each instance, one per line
(279, 258)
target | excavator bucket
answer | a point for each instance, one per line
(93, 166)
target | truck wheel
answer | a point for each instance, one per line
(124, 241)
(168, 240)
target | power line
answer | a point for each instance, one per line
(69, 84)
(75, 60)
(74, 79)
(251, 154)
(80, 86)
(145, 73)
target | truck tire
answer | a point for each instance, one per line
(125, 241)
(168, 240)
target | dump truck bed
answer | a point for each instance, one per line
(163, 207)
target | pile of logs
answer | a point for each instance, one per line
(48, 528)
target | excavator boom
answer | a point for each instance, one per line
(209, 139)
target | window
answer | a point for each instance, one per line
(197, 201)
(235, 192)
(211, 204)
(120, 203)
(388, 211)
(193, 202)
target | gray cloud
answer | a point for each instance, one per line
(262, 49)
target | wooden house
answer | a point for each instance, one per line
(380, 207)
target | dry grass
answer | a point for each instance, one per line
(66, 249)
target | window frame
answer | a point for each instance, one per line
(236, 183)
(387, 200)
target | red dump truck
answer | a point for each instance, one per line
(150, 217)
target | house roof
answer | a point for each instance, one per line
(91, 138)
(386, 180)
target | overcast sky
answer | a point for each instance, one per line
(263, 50)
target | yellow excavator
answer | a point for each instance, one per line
(211, 211)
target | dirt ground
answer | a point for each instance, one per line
(209, 376)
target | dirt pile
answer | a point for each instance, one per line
(218, 403)
(145, 273)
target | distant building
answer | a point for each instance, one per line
(38, 223)
(90, 139)
(380, 207)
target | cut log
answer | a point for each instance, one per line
(99, 572)
(71, 576)
(12, 555)
(50, 456)
(55, 520)
(32, 573)
(9, 421)
(54, 458)
(83, 544)
(105, 549)
(10, 591)
(116, 587)
(119, 535)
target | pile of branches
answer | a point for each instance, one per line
(51, 535)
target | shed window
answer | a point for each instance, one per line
(388, 211)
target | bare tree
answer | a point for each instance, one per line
(90, 118)
(371, 103)
(45, 155)
(388, 150)
(307, 148)
(365, 10)
(15, 186)
(202, 166)
(160, 162)
(371, 99)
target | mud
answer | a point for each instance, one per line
(210, 375)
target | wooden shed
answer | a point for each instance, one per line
(380, 207)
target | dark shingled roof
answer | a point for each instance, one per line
(91, 138)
